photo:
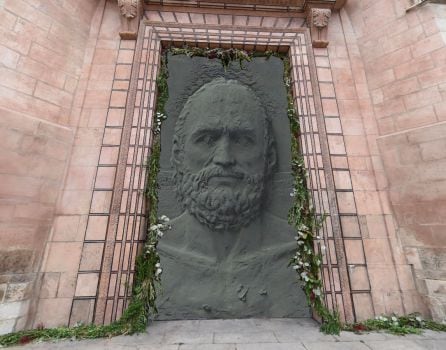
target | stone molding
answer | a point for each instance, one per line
(299, 6)
(131, 12)
(318, 19)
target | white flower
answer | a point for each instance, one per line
(317, 291)
(157, 265)
(160, 233)
(394, 319)
(323, 248)
(295, 267)
(418, 318)
(164, 218)
(153, 228)
(158, 271)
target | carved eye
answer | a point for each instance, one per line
(243, 140)
(206, 139)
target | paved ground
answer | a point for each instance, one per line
(250, 334)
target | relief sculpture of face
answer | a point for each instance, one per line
(222, 153)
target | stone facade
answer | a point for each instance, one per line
(66, 92)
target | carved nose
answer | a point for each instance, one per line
(223, 155)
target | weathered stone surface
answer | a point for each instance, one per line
(228, 250)
(15, 261)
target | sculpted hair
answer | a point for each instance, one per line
(220, 84)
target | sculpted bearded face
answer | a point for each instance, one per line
(223, 153)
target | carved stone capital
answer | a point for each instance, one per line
(318, 19)
(131, 12)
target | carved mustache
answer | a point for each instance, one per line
(210, 172)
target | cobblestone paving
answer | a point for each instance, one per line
(250, 334)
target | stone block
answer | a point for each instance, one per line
(363, 306)
(67, 284)
(87, 284)
(336, 145)
(354, 251)
(89, 137)
(85, 155)
(97, 99)
(3, 287)
(91, 257)
(53, 312)
(82, 312)
(350, 226)
(105, 177)
(330, 107)
(109, 155)
(105, 57)
(69, 228)
(59, 261)
(112, 136)
(103, 72)
(342, 180)
(18, 292)
(377, 251)
(359, 278)
(125, 56)
(96, 227)
(123, 71)
(368, 202)
(118, 99)
(333, 125)
(80, 178)
(8, 57)
(52, 94)
(429, 44)
(17, 81)
(14, 309)
(50, 283)
(422, 98)
(7, 326)
(101, 202)
(15, 260)
(346, 202)
(75, 202)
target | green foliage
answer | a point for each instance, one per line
(77, 332)
(147, 265)
(226, 56)
(306, 261)
(399, 325)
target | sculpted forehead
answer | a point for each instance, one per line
(226, 105)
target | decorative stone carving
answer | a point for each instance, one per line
(227, 253)
(131, 11)
(318, 19)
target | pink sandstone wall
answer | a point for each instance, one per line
(380, 82)
(393, 65)
(59, 270)
(42, 48)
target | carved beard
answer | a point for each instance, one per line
(220, 208)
